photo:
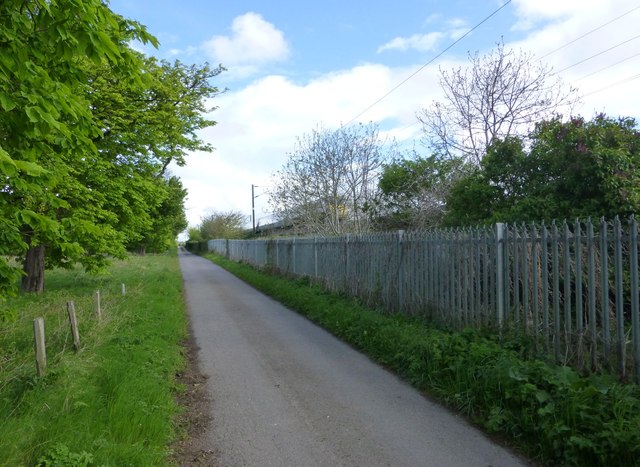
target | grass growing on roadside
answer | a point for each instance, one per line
(112, 403)
(550, 412)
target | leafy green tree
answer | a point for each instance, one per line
(194, 234)
(167, 218)
(568, 169)
(146, 126)
(412, 192)
(229, 224)
(87, 129)
(46, 124)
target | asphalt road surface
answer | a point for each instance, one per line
(287, 393)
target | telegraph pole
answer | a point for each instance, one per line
(253, 208)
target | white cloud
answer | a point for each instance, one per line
(259, 123)
(531, 13)
(455, 28)
(253, 42)
(258, 126)
(419, 42)
(576, 30)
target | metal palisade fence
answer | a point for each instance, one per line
(573, 286)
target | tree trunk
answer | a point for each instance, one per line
(33, 280)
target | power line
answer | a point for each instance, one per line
(430, 61)
(590, 32)
(607, 67)
(613, 85)
(598, 54)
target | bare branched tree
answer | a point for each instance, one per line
(502, 93)
(328, 180)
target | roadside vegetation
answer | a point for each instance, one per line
(111, 403)
(551, 413)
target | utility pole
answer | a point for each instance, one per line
(253, 208)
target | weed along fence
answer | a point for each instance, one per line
(573, 285)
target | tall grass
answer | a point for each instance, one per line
(112, 402)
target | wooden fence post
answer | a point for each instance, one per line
(97, 305)
(71, 310)
(41, 351)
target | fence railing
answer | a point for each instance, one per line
(573, 286)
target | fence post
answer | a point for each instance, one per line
(41, 351)
(315, 256)
(293, 256)
(500, 292)
(635, 300)
(123, 288)
(347, 264)
(73, 321)
(400, 274)
(604, 294)
(97, 305)
(620, 334)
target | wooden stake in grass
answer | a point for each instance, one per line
(124, 289)
(41, 352)
(97, 303)
(71, 309)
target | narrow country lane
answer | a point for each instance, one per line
(287, 393)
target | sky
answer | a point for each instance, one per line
(294, 66)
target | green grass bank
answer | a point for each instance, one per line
(550, 413)
(111, 403)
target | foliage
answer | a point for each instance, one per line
(228, 224)
(146, 125)
(87, 129)
(167, 215)
(412, 192)
(503, 93)
(194, 234)
(564, 170)
(46, 126)
(113, 402)
(60, 456)
(550, 412)
(328, 180)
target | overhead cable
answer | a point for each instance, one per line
(430, 61)
(613, 85)
(598, 54)
(607, 67)
(590, 32)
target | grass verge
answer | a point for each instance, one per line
(549, 412)
(111, 403)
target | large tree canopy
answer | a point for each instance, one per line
(81, 113)
(146, 126)
(568, 169)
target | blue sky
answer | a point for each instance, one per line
(295, 65)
